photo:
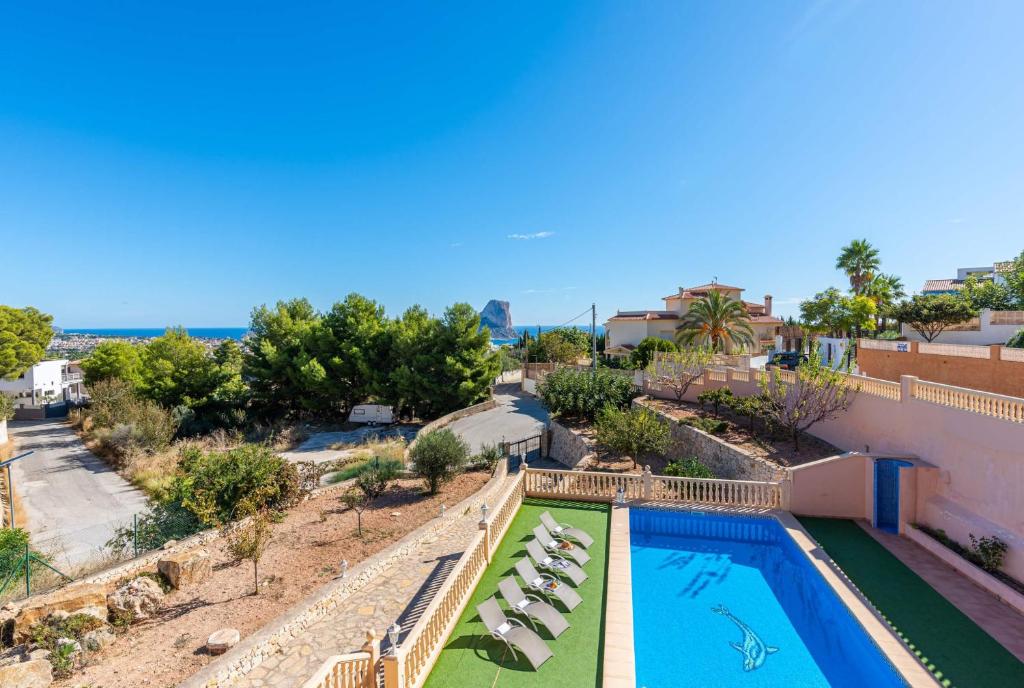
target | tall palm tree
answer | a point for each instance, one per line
(859, 260)
(885, 291)
(716, 321)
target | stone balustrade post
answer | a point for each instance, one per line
(372, 647)
(394, 674)
(907, 385)
(486, 527)
(786, 487)
(648, 483)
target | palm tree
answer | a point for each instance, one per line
(716, 320)
(859, 260)
(885, 291)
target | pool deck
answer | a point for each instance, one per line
(619, 660)
(995, 617)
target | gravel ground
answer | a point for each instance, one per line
(305, 554)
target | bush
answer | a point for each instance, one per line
(125, 424)
(163, 522)
(716, 398)
(376, 475)
(634, 433)
(989, 551)
(688, 468)
(1017, 340)
(583, 393)
(644, 351)
(12, 549)
(711, 426)
(220, 486)
(438, 457)
(488, 457)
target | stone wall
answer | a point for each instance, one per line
(267, 641)
(725, 460)
(568, 447)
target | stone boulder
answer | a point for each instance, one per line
(33, 674)
(94, 641)
(137, 599)
(185, 569)
(221, 641)
(79, 598)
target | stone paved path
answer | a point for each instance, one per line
(400, 593)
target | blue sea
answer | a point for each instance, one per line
(533, 329)
(199, 332)
(239, 332)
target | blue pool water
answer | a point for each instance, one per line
(704, 582)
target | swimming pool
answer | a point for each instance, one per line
(732, 601)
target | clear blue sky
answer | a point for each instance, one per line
(182, 162)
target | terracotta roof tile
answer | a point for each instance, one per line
(943, 285)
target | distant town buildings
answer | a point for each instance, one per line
(988, 273)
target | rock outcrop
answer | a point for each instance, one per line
(185, 569)
(497, 316)
(138, 599)
(33, 674)
(78, 598)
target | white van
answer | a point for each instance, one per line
(371, 414)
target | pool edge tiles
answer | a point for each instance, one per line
(619, 670)
(864, 613)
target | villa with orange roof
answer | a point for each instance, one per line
(626, 329)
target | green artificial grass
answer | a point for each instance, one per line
(956, 650)
(473, 659)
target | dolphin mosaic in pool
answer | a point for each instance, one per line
(753, 649)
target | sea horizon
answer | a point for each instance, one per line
(238, 333)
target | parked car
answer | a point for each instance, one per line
(788, 360)
(372, 414)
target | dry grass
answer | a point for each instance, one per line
(6, 452)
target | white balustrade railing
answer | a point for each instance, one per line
(355, 670)
(595, 486)
(975, 401)
(410, 665)
(886, 389)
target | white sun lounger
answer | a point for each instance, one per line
(513, 633)
(555, 564)
(547, 585)
(532, 607)
(565, 530)
(554, 546)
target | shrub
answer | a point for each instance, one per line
(376, 476)
(644, 351)
(438, 457)
(989, 551)
(716, 398)
(488, 457)
(6, 408)
(688, 468)
(635, 432)
(126, 424)
(13, 542)
(711, 426)
(163, 522)
(219, 486)
(1017, 340)
(583, 393)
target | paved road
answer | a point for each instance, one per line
(517, 417)
(73, 501)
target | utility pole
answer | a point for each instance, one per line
(593, 336)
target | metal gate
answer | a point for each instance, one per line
(887, 494)
(515, 451)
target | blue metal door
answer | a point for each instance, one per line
(887, 494)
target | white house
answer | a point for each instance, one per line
(990, 327)
(626, 329)
(45, 382)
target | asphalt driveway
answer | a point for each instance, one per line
(72, 500)
(517, 417)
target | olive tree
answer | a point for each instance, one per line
(438, 457)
